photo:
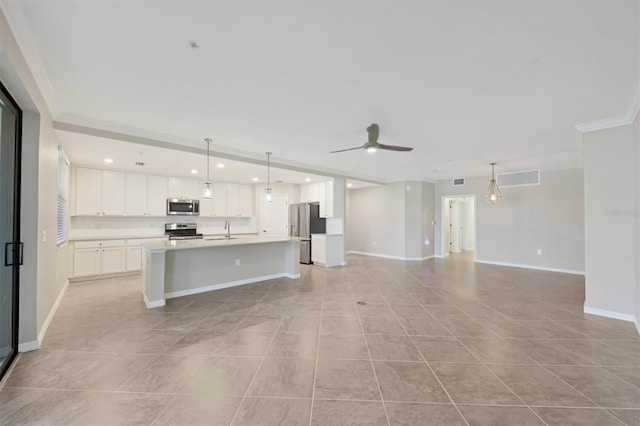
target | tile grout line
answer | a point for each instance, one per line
(425, 360)
(481, 362)
(163, 410)
(264, 356)
(315, 371)
(366, 342)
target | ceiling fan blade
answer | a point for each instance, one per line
(348, 149)
(393, 147)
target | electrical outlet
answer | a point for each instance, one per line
(237, 262)
(44, 236)
(539, 252)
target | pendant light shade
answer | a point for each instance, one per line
(493, 195)
(207, 187)
(267, 190)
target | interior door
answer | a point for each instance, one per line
(454, 225)
(10, 150)
(275, 215)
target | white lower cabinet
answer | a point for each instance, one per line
(134, 257)
(98, 257)
(326, 250)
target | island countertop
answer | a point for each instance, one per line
(159, 246)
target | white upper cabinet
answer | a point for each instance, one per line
(328, 207)
(229, 200)
(233, 199)
(109, 193)
(184, 188)
(99, 193)
(135, 195)
(219, 205)
(321, 192)
(245, 200)
(309, 193)
(88, 194)
(145, 195)
(157, 194)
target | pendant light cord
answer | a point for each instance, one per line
(208, 159)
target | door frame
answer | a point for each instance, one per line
(17, 172)
(444, 206)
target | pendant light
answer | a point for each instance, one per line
(207, 188)
(267, 190)
(493, 195)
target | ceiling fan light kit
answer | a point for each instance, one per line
(372, 144)
(493, 195)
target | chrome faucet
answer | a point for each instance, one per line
(227, 226)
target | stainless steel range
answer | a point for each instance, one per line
(182, 231)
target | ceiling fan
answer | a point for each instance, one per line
(372, 145)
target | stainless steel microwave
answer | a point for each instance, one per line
(183, 207)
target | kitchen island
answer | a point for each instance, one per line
(180, 268)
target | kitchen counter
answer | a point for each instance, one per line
(138, 237)
(213, 241)
(184, 267)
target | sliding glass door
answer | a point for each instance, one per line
(11, 249)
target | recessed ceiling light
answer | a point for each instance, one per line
(255, 179)
(349, 185)
(220, 166)
(194, 171)
(307, 179)
(108, 160)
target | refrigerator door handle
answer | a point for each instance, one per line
(298, 221)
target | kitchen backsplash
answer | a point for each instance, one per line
(152, 226)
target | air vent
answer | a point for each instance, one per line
(458, 182)
(524, 178)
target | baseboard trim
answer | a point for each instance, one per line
(212, 287)
(610, 314)
(52, 312)
(29, 346)
(539, 268)
(386, 256)
(104, 276)
(154, 304)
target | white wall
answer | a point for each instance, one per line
(549, 216)
(391, 220)
(611, 192)
(467, 208)
(375, 220)
(428, 218)
(39, 286)
(636, 168)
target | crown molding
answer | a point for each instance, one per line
(608, 123)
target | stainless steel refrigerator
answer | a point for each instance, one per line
(304, 220)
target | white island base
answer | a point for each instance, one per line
(180, 268)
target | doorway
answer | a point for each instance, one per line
(458, 224)
(274, 216)
(10, 151)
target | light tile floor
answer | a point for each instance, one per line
(442, 342)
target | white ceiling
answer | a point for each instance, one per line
(463, 82)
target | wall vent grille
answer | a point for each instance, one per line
(523, 178)
(458, 182)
